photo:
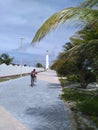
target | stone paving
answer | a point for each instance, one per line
(38, 107)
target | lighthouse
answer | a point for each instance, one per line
(47, 60)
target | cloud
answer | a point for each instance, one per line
(11, 20)
(22, 18)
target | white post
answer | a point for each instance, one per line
(21, 55)
(47, 60)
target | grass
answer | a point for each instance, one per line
(83, 101)
(76, 95)
(11, 77)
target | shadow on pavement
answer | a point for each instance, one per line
(49, 118)
(54, 85)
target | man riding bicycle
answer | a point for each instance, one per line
(33, 76)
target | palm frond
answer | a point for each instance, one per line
(52, 23)
(61, 17)
(90, 48)
(89, 3)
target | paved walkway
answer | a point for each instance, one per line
(33, 108)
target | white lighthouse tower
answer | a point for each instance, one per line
(47, 60)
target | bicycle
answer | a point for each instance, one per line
(33, 77)
(33, 80)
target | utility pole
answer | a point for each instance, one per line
(21, 40)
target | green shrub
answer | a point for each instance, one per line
(39, 65)
(63, 82)
(72, 77)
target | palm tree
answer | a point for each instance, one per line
(86, 12)
(82, 59)
(4, 58)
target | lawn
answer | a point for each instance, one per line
(11, 77)
(82, 101)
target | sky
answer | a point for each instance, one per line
(22, 18)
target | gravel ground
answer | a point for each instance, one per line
(38, 107)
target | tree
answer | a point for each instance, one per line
(4, 58)
(85, 12)
(39, 65)
(82, 59)
(76, 55)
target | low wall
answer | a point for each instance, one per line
(9, 70)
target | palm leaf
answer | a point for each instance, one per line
(89, 3)
(58, 18)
